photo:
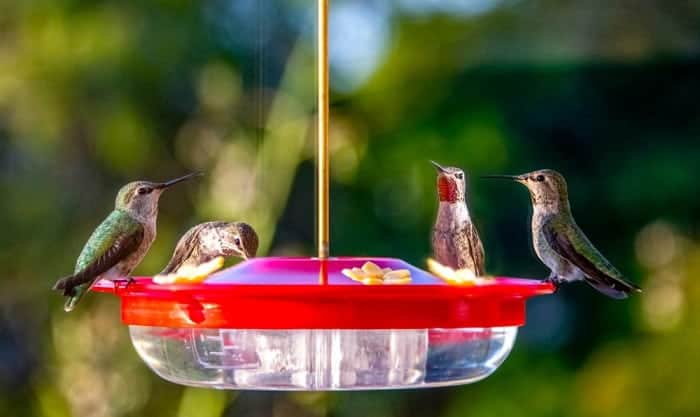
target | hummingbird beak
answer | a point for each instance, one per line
(170, 183)
(519, 178)
(438, 167)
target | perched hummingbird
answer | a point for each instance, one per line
(119, 244)
(207, 241)
(559, 242)
(456, 241)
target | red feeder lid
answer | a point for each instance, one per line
(304, 293)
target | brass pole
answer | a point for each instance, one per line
(322, 165)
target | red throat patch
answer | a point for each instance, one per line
(447, 190)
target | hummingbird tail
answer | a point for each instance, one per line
(613, 288)
(70, 303)
(74, 295)
(65, 285)
(69, 290)
(61, 284)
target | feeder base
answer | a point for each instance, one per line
(323, 360)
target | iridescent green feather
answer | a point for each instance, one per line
(117, 224)
(583, 246)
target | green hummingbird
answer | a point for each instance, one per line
(120, 242)
(559, 242)
(206, 241)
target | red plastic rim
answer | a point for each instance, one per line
(304, 293)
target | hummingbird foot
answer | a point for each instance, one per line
(554, 280)
(125, 282)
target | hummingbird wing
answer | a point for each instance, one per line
(114, 240)
(569, 242)
(183, 251)
(476, 249)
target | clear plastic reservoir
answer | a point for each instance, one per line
(323, 359)
(336, 333)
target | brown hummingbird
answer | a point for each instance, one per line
(120, 242)
(456, 242)
(210, 240)
(559, 242)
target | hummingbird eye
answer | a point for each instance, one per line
(237, 242)
(145, 190)
(539, 178)
(459, 176)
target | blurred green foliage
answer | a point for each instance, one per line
(96, 94)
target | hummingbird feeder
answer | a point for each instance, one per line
(304, 324)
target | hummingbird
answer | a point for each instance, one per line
(207, 241)
(456, 242)
(120, 242)
(558, 241)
